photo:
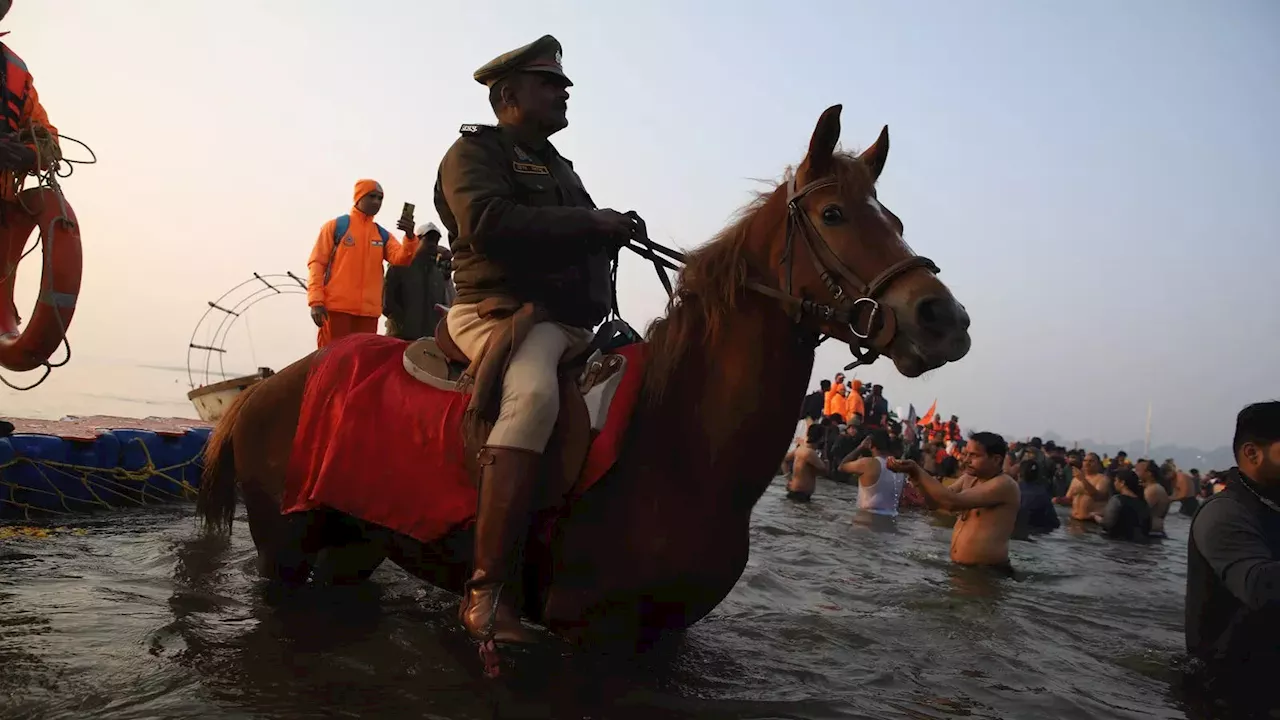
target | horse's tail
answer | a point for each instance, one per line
(216, 502)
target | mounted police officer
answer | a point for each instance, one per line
(523, 230)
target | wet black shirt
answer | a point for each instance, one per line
(1036, 509)
(1127, 518)
(1233, 582)
(811, 407)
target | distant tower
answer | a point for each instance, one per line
(1146, 445)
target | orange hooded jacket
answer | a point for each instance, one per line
(355, 280)
(838, 403)
(853, 403)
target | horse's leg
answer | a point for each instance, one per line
(301, 538)
(353, 550)
(445, 563)
(265, 422)
(265, 526)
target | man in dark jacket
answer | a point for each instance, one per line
(811, 406)
(524, 233)
(412, 292)
(1233, 573)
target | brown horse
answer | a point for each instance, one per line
(662, 539)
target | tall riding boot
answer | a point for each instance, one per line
(508, 480)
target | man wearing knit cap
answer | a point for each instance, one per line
(344, 272)
(525, 233)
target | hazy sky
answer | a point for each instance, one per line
(1099, 181)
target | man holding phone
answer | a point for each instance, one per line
(344, 272)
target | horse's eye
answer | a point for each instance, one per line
(832, 215)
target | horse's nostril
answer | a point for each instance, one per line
(939, 314)
(933, 311)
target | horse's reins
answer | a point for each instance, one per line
(880, 326)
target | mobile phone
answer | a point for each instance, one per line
(407, 212)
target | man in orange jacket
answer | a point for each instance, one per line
(828, 405)
(344, 272)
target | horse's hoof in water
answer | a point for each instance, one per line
(490, 658)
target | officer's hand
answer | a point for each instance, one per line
(16, 156)
(641, 230)
(615, 228)
(319, 315)
(405, 225)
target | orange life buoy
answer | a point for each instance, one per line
(59, 281)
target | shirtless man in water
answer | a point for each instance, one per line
(1155, 495)
(986, 499)
(1088, 491)
(805, 463)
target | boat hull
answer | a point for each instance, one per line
(211, 401)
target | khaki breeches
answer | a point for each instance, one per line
(530, 389)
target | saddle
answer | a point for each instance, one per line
(588, 382)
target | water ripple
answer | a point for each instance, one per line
(140, 617)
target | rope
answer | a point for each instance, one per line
(27, 532)
(47, 170)
(107, 488)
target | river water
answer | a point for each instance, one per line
(135, 616)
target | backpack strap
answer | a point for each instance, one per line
(340, 227)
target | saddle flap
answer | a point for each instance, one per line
(566, 452)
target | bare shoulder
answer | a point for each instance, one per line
(1008, 487)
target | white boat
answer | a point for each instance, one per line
(213, 400)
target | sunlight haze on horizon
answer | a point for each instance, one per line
(1098, 181)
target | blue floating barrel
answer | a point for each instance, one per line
(170, 458)
(94, 482)
(193, 443)
(33, 485)
(7, 455)
(136, 446)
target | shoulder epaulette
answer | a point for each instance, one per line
(475, 129)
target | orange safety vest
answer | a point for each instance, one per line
(14, 81)
(952, 431)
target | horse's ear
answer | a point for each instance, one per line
(822, 145)
(875, 156)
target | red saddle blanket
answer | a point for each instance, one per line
(377, 444)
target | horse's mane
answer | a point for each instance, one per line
(708, 287)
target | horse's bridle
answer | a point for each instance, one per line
(851, 296)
